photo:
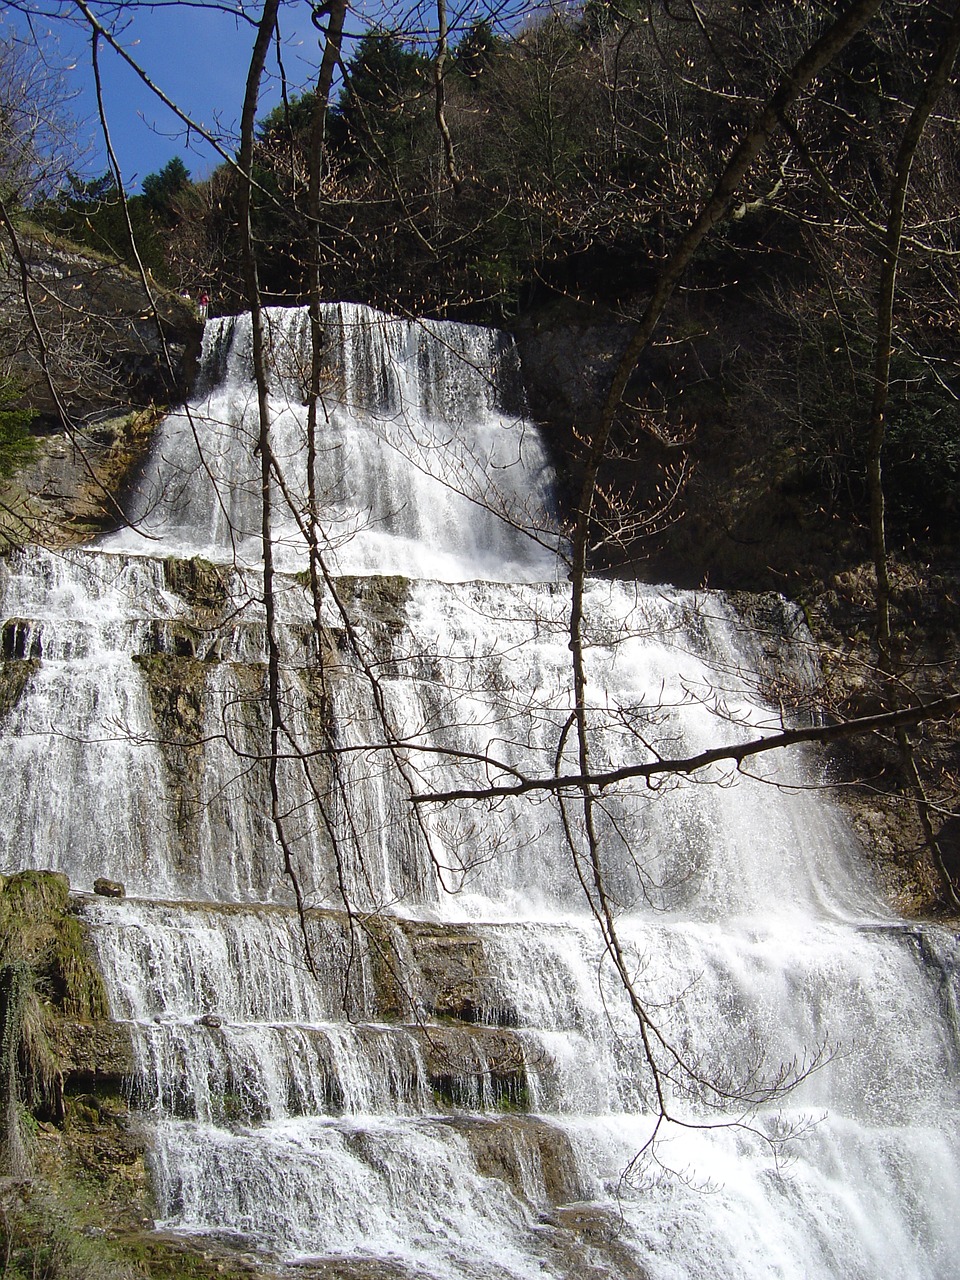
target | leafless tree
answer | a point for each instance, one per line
(38, 134)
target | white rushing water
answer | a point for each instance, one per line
(460, 1087)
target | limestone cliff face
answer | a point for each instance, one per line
(97, 356)
(91, 325)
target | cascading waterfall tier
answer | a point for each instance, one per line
(376, 1031)
(423, 466)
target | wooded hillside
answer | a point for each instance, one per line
(581, 145)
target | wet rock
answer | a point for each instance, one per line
(73, 488)
(383, 597)
(452, 978)
(108, 888)
(205, 586)
(357, 1269)
(476, 1067)
(13, 680)
(531, 1155)
(20, 640)
(591, 1243)
(95, 1052)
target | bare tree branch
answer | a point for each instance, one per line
(940, 709)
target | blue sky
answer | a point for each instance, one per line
(197, 53)
(198, 57)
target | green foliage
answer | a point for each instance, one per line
(30, 898)
(37, 927)
(77, 1227)
(563, 172)
(15, 989)
(17, 446)
(160, 190)
(93, 213)
(384, 100)
(45, 968)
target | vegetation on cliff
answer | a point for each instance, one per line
(45, 969)
(17, 446)
(584, 143)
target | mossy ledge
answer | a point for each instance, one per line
(384, 598)
(78, 1204)
(84, 1209)
(14, 676)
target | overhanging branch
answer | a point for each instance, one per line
(940, 709)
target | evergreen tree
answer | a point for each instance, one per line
(385, 98)
(478, 49)
(17, 446)
(288, 121)
(160, 190)
(90, 212)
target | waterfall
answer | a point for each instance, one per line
(434, 1066)
(423, 468)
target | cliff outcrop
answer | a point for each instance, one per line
(96, 354)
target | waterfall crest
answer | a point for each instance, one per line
(424, 466)
(461, 1090)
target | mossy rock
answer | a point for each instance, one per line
(392, 1000)
(46, 969)
(38, 928)
(77, 1224)
(176, 686)
(383, 597)
(34, 896)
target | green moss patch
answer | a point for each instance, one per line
(39, 930)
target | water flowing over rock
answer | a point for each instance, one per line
(432, 1068)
